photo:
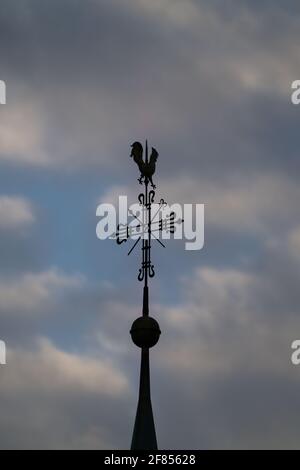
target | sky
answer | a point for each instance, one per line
(209, 85)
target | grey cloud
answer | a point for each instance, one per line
(15, 212)
(221, 367)
(128, 67)
(231, 360)
(209, 86)
(48, 400)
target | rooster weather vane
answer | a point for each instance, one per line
(145, 330)
(146, 168)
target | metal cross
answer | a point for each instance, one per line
(148, 227)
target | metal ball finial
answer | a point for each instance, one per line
(145, 332)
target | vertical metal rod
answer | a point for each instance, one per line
(145, 248)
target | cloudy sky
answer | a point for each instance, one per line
(209, 85)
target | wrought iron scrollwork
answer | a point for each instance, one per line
(141, 274)
(141, 198)
(147, 225)
(123, 233)
(146, 268)
(151, 271)
(151, 196)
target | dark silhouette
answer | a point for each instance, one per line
(145, 330)
(146, 168)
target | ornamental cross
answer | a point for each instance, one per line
(149, 226)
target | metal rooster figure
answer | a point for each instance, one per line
(146, 168)
(145, 330)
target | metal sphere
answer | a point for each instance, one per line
(145, 332)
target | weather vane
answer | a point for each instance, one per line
(145, 330)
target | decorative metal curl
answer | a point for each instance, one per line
(151, 271)
(146, 266)
(141, 274)
(151, 196)
(141, 198)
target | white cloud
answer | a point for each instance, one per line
(252, 205)
(55, 399)
(174, 11)
(221, 318)
(22, 134)
(244, 205)
(51, 370)
(31, 292)
(15, 212)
